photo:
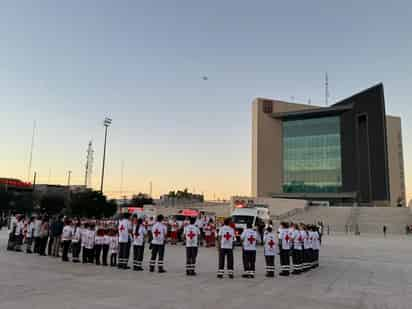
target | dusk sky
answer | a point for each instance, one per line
(68, 64)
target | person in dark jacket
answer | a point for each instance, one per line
(57, 230)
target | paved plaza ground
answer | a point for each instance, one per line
(355, 272)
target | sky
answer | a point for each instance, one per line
(68, 64)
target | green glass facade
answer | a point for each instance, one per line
(312, 155)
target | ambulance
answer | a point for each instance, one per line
(248, 212)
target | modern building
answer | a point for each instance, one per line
(350, 152)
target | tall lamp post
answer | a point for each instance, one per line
(107, 122)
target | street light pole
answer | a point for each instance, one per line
(107, 122)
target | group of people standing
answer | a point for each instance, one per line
(297, 244)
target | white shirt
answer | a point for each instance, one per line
(90, 239)
(227, 236)
(114, 244)
(174, 226)
(305, 239)
(159, 232)
(191, 233)
(315, 241)
(106, 240)
(297, 240)
(30, 230)
(19, 228)
(67, 233)
(124, 228)
(76, 234)
(199, 223)
(248, 238)
(83, 235)
(37, 227)
(150, 224)
(98, 240)
(310, 238)
(138, 239)
(270, 247)
(285, 239)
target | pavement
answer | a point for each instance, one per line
(355, 272)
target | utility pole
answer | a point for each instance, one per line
(107, 122)
(31, 152)
(33, 189)
(151, 189)
(69, 173)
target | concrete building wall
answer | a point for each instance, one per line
(267, 167)
(395, 160)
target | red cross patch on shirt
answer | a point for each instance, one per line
(251, 239)
(227, 236)
(271, 243)
(191, 235)
(156, 233)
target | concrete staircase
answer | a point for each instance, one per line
(335, 217)
(369, 220)
(372, 219)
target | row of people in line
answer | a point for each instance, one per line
(38, 232)
(300, 242)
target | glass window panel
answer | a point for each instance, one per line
(312, 155)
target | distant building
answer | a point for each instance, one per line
(180, 198)
(350, 152)
(15, 185)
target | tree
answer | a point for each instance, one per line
(141, 199)
(92, 204)
(52, 204)
(5, 199)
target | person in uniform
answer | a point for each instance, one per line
(66, 239)
(284, 249)
(191, 233)
(174, 227)
(297, 250)
(139, 234)
(310, 247)
(76, 241)
(315, 246)
(114, 247)
(106, 246)
(44, 235)
(208, 234)
(30, 235)
(98, 245)
(226, 240)
(306, 245)
(199, 223)
(18, 233)
(150, 223)
(248, 238)
(159, 233)
(270, 250)
(91, 234)
(124, 229)
(84, 239)
(36, 234)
